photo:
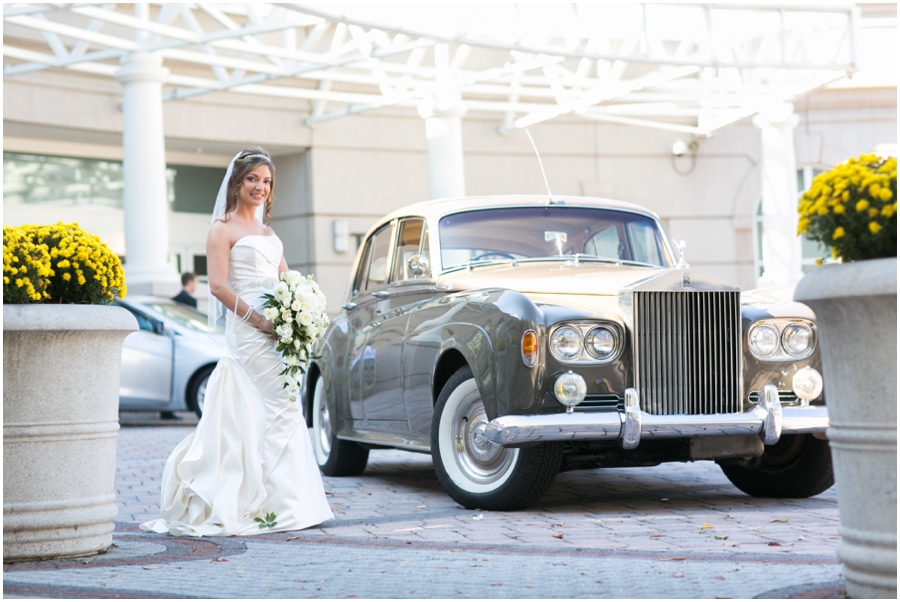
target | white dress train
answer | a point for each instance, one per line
(250, 454)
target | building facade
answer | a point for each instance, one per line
(63, 151)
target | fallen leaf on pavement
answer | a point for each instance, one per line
(720, 578)
(779, 520)
(676, 558)
(774, 544)
(560, 536)
(150, 567)
(219, 559)
(678, 575)
(720, 536)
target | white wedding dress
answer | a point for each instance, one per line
(250, 455)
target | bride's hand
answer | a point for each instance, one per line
(263, 324)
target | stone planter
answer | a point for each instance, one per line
(60, 424)
(856, 311)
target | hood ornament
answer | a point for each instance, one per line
(679, 248)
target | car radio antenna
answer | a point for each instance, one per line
(541, 164)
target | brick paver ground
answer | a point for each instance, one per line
(672, 531)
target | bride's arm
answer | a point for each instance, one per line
(282, 267)
(218, 253)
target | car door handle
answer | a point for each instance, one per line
(381, 294)
(348, 306)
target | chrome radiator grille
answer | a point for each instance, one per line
(688, 352)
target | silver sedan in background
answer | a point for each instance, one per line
(166, 364)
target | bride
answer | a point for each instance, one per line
(249, 465)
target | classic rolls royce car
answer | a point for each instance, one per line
(515, 337)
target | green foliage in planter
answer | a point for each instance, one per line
(853, 208)
(59, 263)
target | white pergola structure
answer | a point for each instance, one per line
(690, 68)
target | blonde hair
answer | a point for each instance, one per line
(244, 164)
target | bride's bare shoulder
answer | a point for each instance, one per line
(221, 232)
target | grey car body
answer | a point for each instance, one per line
(429, 354)
(166, 363)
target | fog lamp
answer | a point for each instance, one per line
(570, 390)
(807, 385)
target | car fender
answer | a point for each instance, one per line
(486, 328)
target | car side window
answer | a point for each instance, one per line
(363, 269)
(374, 268)
(144, 323)
(409, 243)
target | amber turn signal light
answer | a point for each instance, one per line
(529, 348)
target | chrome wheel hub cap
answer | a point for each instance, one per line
(478, 459)
(201, 394)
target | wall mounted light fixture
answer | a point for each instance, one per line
(679, 148)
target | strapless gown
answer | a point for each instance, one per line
(250, 454)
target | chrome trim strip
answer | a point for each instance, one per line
(536, 428)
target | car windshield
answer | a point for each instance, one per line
(182, 314)
(523, 233)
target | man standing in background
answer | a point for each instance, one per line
(189, 285)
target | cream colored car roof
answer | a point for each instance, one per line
(440, 207)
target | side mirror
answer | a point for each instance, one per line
(419, 266)
(159, 328)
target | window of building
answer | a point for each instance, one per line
(811, 250)
(70, 181)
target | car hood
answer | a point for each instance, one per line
(550, 280)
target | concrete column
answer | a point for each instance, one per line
(147, 270)
(781, 254)
(443, 129)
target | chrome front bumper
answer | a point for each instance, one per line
(769, 420)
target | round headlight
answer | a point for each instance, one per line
(601, 343)
(566, 343)
(763, 340)
(797, 339)
(807, 384)
(570, 389)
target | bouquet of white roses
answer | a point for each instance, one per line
(297, 310)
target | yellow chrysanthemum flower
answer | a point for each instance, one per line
(862, 205)
(838, 233)
(874, 227)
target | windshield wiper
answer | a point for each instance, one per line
(478, 264)
(577, 258)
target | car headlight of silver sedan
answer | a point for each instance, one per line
(586, 342)
(782, 339)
